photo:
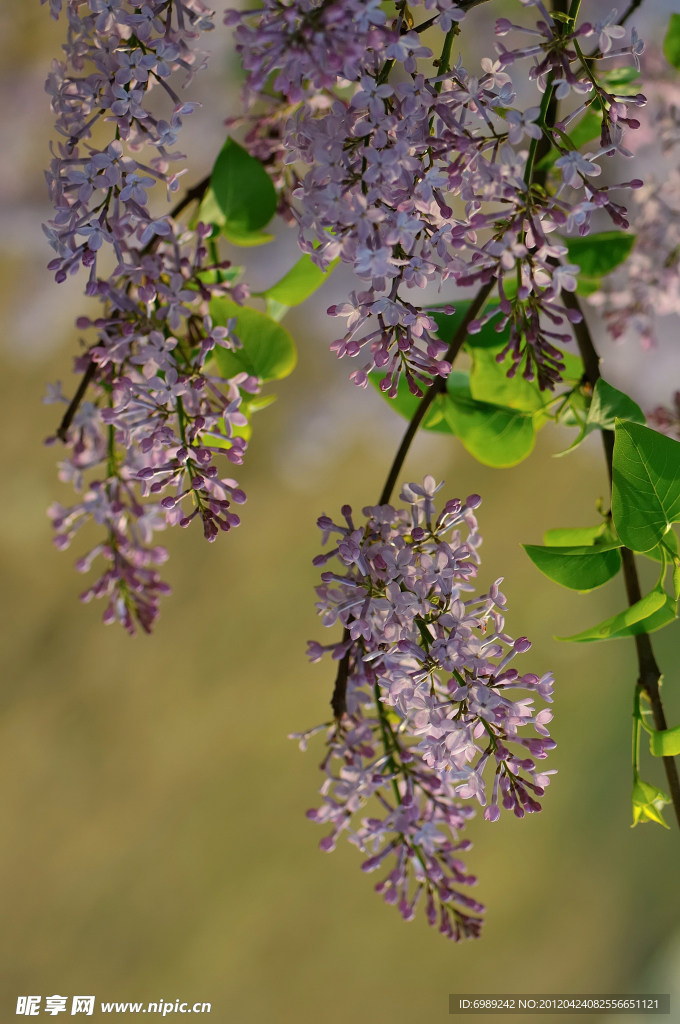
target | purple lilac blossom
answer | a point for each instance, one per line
(420, 181)
(647, 284)
(431, 709)
(156, 412)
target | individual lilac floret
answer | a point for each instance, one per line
(424, 702)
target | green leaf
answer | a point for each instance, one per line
(488, 337)
(268, 350)
(243, 192)
(619, 76)
(648, 803)
(246, 239)
(597, 255)
(667, 549)
(496, 436)
(646, 487)
(579, 568)
(229, 274)
(653, 612)
(301, 281)
(276, 310)
(406, 404)
(588, 285)
(489, 382)
(209, 212)
(664, 742)
(579, 535)
(607, 404)
(671, 44)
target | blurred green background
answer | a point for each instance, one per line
(153, 842)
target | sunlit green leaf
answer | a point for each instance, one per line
(568, 536)
(599, 254)
(664, 742)
(495, 435)
(578, 568)
(653, 612)
(648, 803)
(209, 212)
(247, 239)
(406, 404)
(671, 44)
(268, 350)
(646, 487)
(489, 382)
(301, 281)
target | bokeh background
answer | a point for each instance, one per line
(153, 842)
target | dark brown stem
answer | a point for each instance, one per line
(436, 389)
(632, 8)
(339, 698)
(196, 192)
(85, 382)
(649, 676)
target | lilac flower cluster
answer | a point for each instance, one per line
(424, 701)
(151, 411)
(647, 285)
(425, 180)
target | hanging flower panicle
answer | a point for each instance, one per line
(427, 713)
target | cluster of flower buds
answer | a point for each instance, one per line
(151, 412)
(425, 701)
(427, 180)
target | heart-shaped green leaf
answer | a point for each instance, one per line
(646, 487)
(599, 254)
(495, 435)
(268, 350)
(578, 568)
(489, 382)
(243, 192)
(606, 406)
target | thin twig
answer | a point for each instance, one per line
(436, 389)
(649, 672)
(631, 10)
(338, 700)
(195, 193)
(85, 382)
